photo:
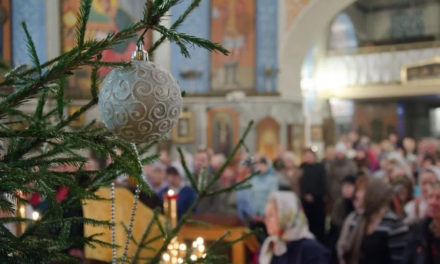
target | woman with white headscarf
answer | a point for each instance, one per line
(290, 240)
(416, 209)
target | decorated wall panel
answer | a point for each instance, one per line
(105, 17)
(192, 73)
(233, 25)
(267, 45)
(33, 12)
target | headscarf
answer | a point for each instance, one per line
(377, 194)
(293, 225)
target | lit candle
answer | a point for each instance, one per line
(170, 207)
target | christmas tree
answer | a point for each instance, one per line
(36, 144)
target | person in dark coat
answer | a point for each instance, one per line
(186, 195)
(289, 240)
(343, 207)
(424, 243)
(313, 190)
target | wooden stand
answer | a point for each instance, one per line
(213, 232)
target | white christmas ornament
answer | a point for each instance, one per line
(140, 103)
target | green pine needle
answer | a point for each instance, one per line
(31, 49)
(81, 24)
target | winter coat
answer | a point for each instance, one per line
(417, 250)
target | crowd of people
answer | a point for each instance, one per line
(364, 202)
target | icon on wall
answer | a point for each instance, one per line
(184, 131)
(268, 137)
(222, 130)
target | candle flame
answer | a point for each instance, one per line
(171, 192)
(35, 215)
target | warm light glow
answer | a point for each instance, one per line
(201, 248)
(199, 241)
(182, 247)
(171, 193)
(166, 257)
(22, 210)
(180, 261)
(194, 244)
(204, 255)
(193, 257)
(35, 215)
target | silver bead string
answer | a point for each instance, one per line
(112, 221)
(130, 226)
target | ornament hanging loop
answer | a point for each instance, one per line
(139, 54)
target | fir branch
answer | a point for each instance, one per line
(229, 244)
(147, 147)
(182, 39)
(231, 156)
(198, 222)
(40, 106)
(81, 21)
(60, 97)
(150, 159)
(94, 83)
(187, 171)
(113, 64)
(144, 236)
(129, 234)
(160, 7)
(147, 19)
(176, 24)
(218, 241)
(31, 48)
(235, 187)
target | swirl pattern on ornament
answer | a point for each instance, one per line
(123, 92)
(159, 111)
(142, 89)
(141, 103)
(164, 125)
(152, 137)
(145, 126)
(174, 112)
(127, 132)
(160, 77)
(138, 111)
(121, 115)
(162, 94)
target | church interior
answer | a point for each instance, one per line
(220, 131)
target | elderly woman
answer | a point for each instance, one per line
(416, 209)
(290, 240)
(373, 234)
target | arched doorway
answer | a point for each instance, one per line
(308, 26)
